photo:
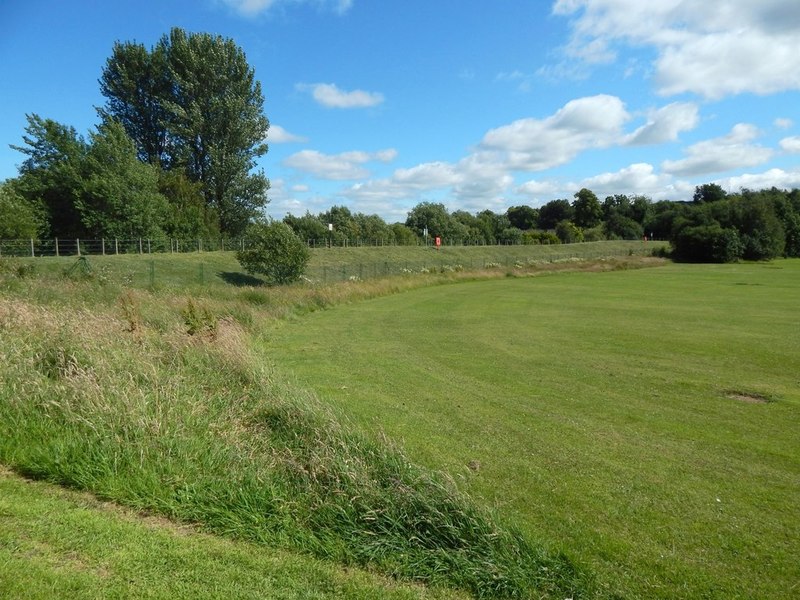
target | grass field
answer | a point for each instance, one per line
(59, 544)
(646, 422)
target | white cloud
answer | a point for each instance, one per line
(638, 178)
(251, 8)
(347, 165)
(709, 48)
(783, 123)
(538, 189)
(664, 124)
(778, 178)
(278, 135)
(791, 144)
(538, 144)
(329, 95)
(732, 151)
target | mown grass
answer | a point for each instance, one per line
(104, 389)
(602, 411)
(60, 544)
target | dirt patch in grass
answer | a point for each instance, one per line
(748, 397)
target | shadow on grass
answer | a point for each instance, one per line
(242, 279)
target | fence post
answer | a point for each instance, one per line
(103, 242)
(140, 246)
(33, 251)
(78, 244)
(116, 246)
(148, 246)
(56, 247)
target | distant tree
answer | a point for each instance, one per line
(640, 209)
(19, 219)
(372, 228)
(433, 217)
(193, 103)
(761, 232)
(707, 243)
(553, 212)
(308, 227)
(621, 227)
(568, 232)
(707, 193)
(511, 235)
(273, 250)
(403, 236)
(587, 209)
(523, 217)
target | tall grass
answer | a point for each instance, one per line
(105, 389)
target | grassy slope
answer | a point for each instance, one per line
(103, 390)
(56, 543)
(594, 408)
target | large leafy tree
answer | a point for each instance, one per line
(588, 210)
(193, 103)
(120, 196)
(51, 175)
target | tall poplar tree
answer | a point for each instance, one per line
(193, 103)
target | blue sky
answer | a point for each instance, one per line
(378, 105)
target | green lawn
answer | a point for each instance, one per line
(56, 543)
(601, 411)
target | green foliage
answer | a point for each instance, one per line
(708, 193)
(523, 217)
(193, 103)
(273, 250)
(588, 211)
(120, 197)
(308, 227)
(553, 212)
(707, 243)
(19, 219)
(621, 227)
(52, 174)
(198, 319)
(568, 232)
(438, 221)
(190, 218)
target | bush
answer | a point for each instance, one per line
(274, 251)
(707, 243)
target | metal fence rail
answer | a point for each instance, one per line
(110, 246)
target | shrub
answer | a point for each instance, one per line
(707, 243)
(273, 250)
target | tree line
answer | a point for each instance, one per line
(174, 157)
(714, 227)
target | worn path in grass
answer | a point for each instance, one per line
(602, 411)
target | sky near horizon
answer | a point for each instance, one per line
(379, 105)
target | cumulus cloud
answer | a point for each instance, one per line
(251, 8)
(638, 178)
(732, 151)
(778, 178)
(713, 49)
(346, 165)
(538, 144)
(330, 96)
(278, 135)
(791, 144)
(664, 124)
